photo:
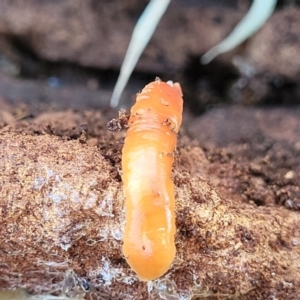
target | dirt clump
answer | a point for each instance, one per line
(62, 214)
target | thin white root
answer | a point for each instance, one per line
(256, 17)
(141, 35)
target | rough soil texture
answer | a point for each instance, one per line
(82, 45)
(277, 45)
(237, 166)
(237, 207)
(96, 33)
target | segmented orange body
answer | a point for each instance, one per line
(147, 159)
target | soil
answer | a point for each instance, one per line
(237, 190)
(236, 176)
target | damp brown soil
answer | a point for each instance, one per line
(236, 176)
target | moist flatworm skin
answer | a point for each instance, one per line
(147, 159)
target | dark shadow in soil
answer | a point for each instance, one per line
(206, 86)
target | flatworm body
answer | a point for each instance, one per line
(147, 159)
